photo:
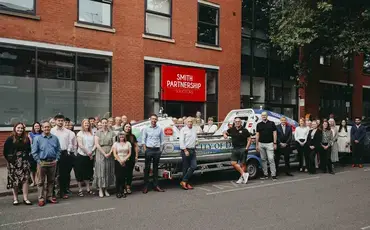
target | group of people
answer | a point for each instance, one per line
(103, 152)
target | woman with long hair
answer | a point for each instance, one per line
(17, 149)
(35, 131)
(334, 148)
(122, 152)
(104, 162)
(344, 139)
(84, 158)
(133, 158)
(300, 136)
(326, 145)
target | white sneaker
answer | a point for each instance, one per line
(106, 193)
(101, 194)
(245, 177)
(241, 180)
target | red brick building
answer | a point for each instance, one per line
(90, 57)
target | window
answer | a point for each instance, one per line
(366, 65)
(208, 25)
(325, 60)
(212, 94)
(23, 6)
(17, 82)
(93, 88)
(97, 12)
(275, 89)
(55, 84)
(151, 88)
(158, 17)
(290, 93)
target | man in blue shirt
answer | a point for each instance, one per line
(358, 134)
(46, 152)
(152, 142)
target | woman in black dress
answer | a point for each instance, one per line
(314, 139)
(17, 150)
(133, 158)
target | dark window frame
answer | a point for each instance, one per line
(366, 56)
(97, 24)
(146, 11)
(217, 26)
(33, 12)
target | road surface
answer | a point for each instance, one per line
(321, 201)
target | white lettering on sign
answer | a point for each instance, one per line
(184, 77)
(182, 84)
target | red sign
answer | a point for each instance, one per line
(183, 84)
(168, 131)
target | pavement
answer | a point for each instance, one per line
(320, 201)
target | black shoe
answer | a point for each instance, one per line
(264, 177)
(158, 189)
(274, 178)
(119, 195)
(333, 173)
(145, 190)
(289, 174)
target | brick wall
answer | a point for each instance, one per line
(129, 47)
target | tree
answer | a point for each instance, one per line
(336, 28)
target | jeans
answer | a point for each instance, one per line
(45, 169)
(189, 164)
(152, 154)
(358, 150)
(267, 153)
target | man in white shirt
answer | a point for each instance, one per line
(64, 164)
(210, 127)
(188, 139)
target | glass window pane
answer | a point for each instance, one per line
(160, 6)
(93, 89)
(207, 34)
(19, 5)
(55, 84)
(94, 12)
(212, 86)
(151, 89)
(275, 91)
(246, 46)
(17, 83)
(208, 14)
(290, 93)
(366, 66)
(158, 25)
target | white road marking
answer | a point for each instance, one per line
(367, 227)
(51, 206)
(342, 172)
(366, 170)
(57, 217)
(207, 190)
(234, 184)
(261, 186)
(221, 186)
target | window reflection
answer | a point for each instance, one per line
(93, 88)
(95, 12)
(208, 25)
(158, 17)
(17, 79)
(366, 66)
(26, 6)
(160, 6)
(55, 84)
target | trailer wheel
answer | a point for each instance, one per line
(253, 168)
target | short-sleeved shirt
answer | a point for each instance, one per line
(239, 137)
(122, 150)
(265, 130)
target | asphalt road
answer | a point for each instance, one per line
(321, 201)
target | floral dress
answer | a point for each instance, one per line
(17, 155)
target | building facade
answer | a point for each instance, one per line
(88, 58)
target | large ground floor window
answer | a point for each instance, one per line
(153, 93)
(36, 84)
(366, 102)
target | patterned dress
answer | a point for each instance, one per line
(104, 167)
(17, 155)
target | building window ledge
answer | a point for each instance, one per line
(22, 15)
(169, 40)
(92, 27)
(208, 47)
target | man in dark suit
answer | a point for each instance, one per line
(284, 140)
(358, 134)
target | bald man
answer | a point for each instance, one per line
(266, 144)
